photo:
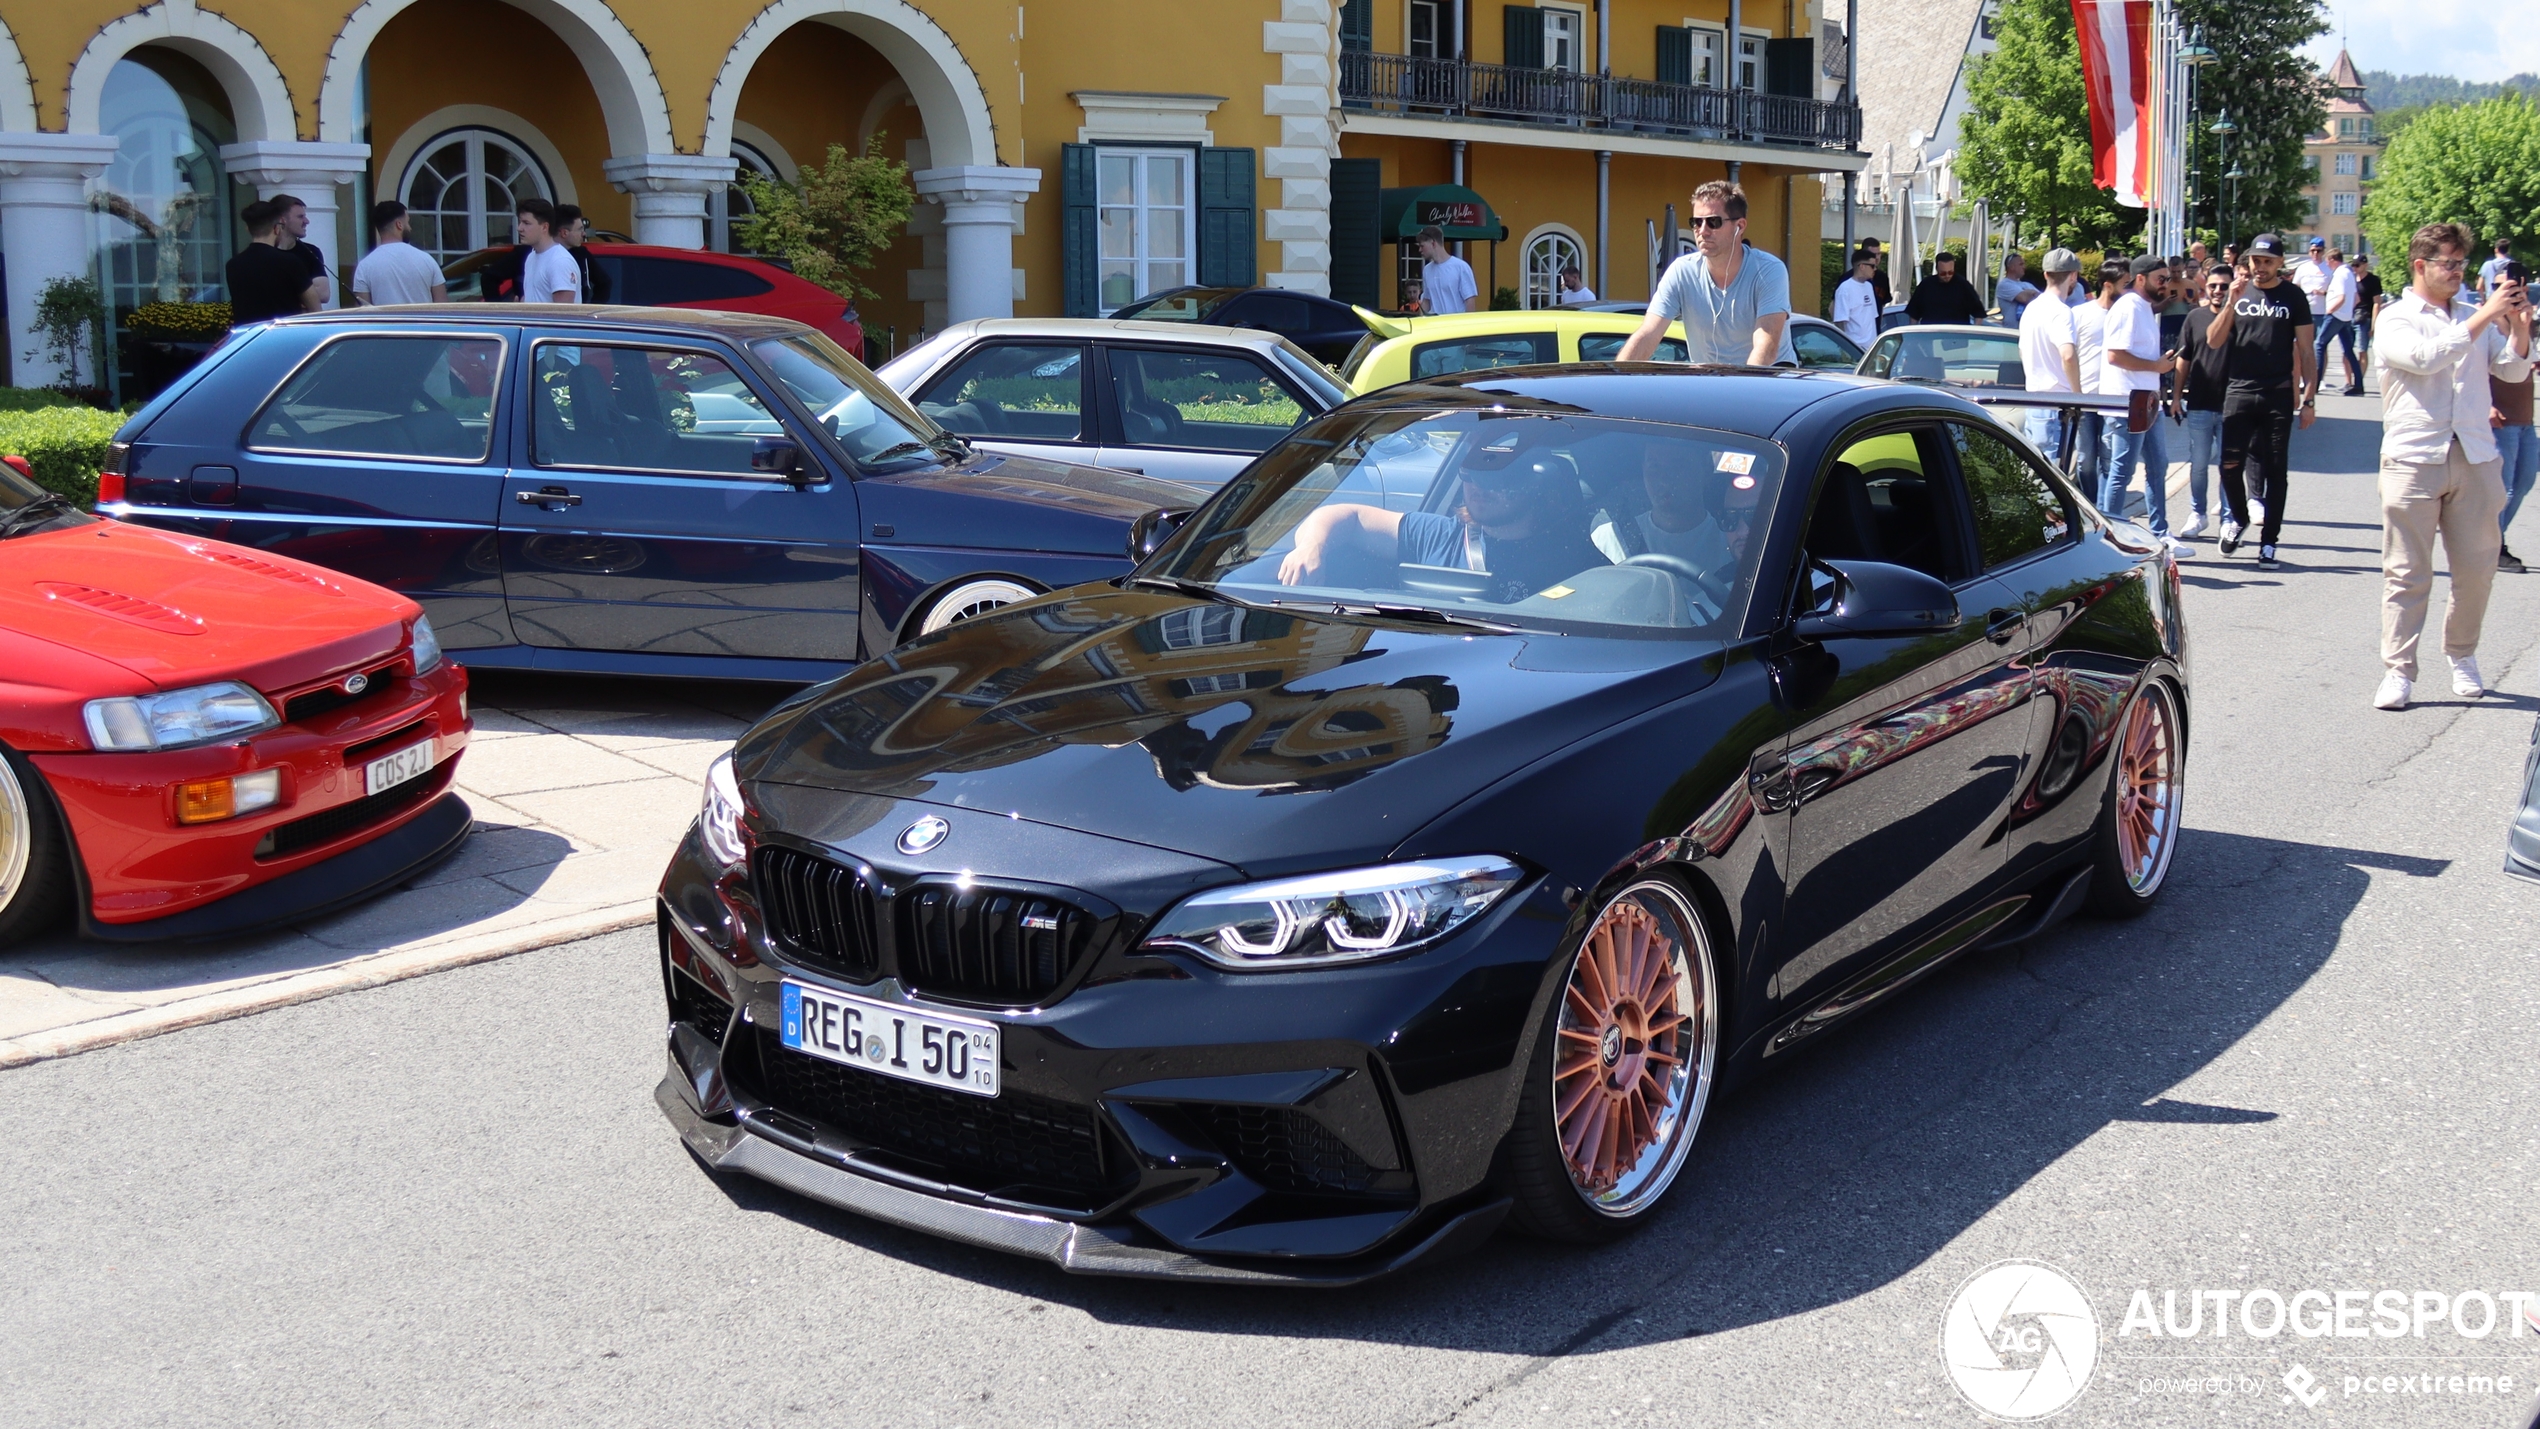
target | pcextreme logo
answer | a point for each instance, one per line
(2020, 1341)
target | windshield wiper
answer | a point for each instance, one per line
(900, 450)
(959, 448)
(35, 513)
(1416, 614)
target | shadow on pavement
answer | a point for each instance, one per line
(1826, 1179)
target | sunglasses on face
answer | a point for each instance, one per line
(1708, 220)
(2445, 265)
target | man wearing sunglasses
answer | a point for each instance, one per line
(1733, 300)
(2440, 470)
(1521, 522)
(2197, 398)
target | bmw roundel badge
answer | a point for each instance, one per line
(923, 835)
(356, 682)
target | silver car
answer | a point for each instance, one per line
(1180, 401)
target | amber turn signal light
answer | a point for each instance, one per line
(208, 801)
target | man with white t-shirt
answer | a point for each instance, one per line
(2090, 325)
(1446, 281)
(2050, 351)
(547, 271)
(1856, 300)
(2335, 310)
(395, 271)
(2131, 361)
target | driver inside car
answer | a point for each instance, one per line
(1521, 522)
(1680, 521)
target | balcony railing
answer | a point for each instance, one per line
(1453, 89)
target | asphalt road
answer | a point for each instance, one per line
(451, 1201)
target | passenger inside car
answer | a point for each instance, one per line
(1520, 522)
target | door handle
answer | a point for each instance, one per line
(2001, 625)
(1132, 470)
(554, 498)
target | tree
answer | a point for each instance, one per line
(2477, 164)
(2275, 97)
(70, 315)
(2025, 141)
(834, 219)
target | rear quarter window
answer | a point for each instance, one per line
(1473, 354)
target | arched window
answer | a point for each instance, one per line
(461, 189)
(1548, 251)
(165, 209)
(733, 204)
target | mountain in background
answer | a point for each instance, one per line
(2386, 91)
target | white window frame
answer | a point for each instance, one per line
(481, 224)
(1577, 39)
(1140, 258)
(1750, 58)
(1437, 42)
(2348, 164)
(2342, 203)
(719, 203)
(1710, 40)
(1542, 291)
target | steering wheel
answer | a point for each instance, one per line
(1704, 581)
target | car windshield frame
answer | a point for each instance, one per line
(1404, 460)
(921, 443)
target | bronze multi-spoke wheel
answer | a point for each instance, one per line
(1622, 1078)
(2140, 825)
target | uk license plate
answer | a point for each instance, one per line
(954, 1053)
(390, 770)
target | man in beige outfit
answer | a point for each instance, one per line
(2439, 465)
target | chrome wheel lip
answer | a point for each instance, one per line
(2146, 855)
(1656, 1170)
(17, 835)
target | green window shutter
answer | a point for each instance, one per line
(1522, 25)
(1675, 55)
(1358, 248)
(1227, 225)
(1079, 234)
(1786, 66)
(1358, 24)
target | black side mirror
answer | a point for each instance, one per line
(1148, 533)
(778, 456)
(1874, 598)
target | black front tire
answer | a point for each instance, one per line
(35, 857)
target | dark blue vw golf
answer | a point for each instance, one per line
(616, 490)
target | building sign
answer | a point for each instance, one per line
(1451, 215)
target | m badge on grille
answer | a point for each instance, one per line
(923, 835)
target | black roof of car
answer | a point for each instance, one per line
(697, 321)
(1753, 400)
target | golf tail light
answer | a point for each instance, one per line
(110, 477)
(1346, 916)
(208, 801)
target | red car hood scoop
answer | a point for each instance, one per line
(148, 614)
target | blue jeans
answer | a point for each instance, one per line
(2339, 330)
(2086, 453)
(2204, 451)
(2149, 448)
(2520, 447)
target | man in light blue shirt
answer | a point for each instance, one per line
(1733, 300)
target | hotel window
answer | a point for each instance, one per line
(2372, 167)
(1562, 30)
(461, 190)
(2346, 165)
(1750, 60)
(2341, 203)
(2311, 164)
(1147, 223)
(1427, 39)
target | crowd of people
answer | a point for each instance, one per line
(279, 271)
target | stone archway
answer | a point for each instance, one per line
(621, 73)
(17, 87)
(960, 129)
(259, 100)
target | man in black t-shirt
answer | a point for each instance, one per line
(2264, 330)
(2197, 397)
(264, 281)
(2368, 294)
(293, 217)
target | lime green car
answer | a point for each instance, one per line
(1415, 349)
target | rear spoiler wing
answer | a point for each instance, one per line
(2070, 403)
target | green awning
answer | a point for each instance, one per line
(1460, 213)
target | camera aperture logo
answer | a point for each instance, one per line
(2020, 1341)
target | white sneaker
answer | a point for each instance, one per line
(2393, 694)
(2230, 536)
(2465, 681)
(2181, 550)
(2195, 527)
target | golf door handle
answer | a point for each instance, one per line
(554, 498)
(2001, 625)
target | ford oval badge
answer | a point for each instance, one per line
(355, 683)
(923, 835)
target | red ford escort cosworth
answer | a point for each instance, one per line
(198, 739)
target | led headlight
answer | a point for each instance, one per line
(200, 714)
(1346, 916)
(427, 646)
(720, 821)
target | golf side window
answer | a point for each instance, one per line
(415, 397)
(644, 409)
(2018, 513)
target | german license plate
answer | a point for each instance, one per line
(390, 770)
(954, 1053)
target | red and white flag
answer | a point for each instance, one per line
(2116, 70)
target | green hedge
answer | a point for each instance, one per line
(65, 445)
(29, 399)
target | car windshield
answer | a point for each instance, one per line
(1530, 519)
(1969, 359)
(1190, 305)
(880, 431)
(26, 506)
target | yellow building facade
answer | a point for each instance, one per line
(1064, 153)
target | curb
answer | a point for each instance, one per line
(373, 970)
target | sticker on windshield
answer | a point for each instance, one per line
(1734, 463)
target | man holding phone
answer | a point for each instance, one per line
(2440, 470)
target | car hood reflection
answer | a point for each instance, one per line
(1262, 738)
